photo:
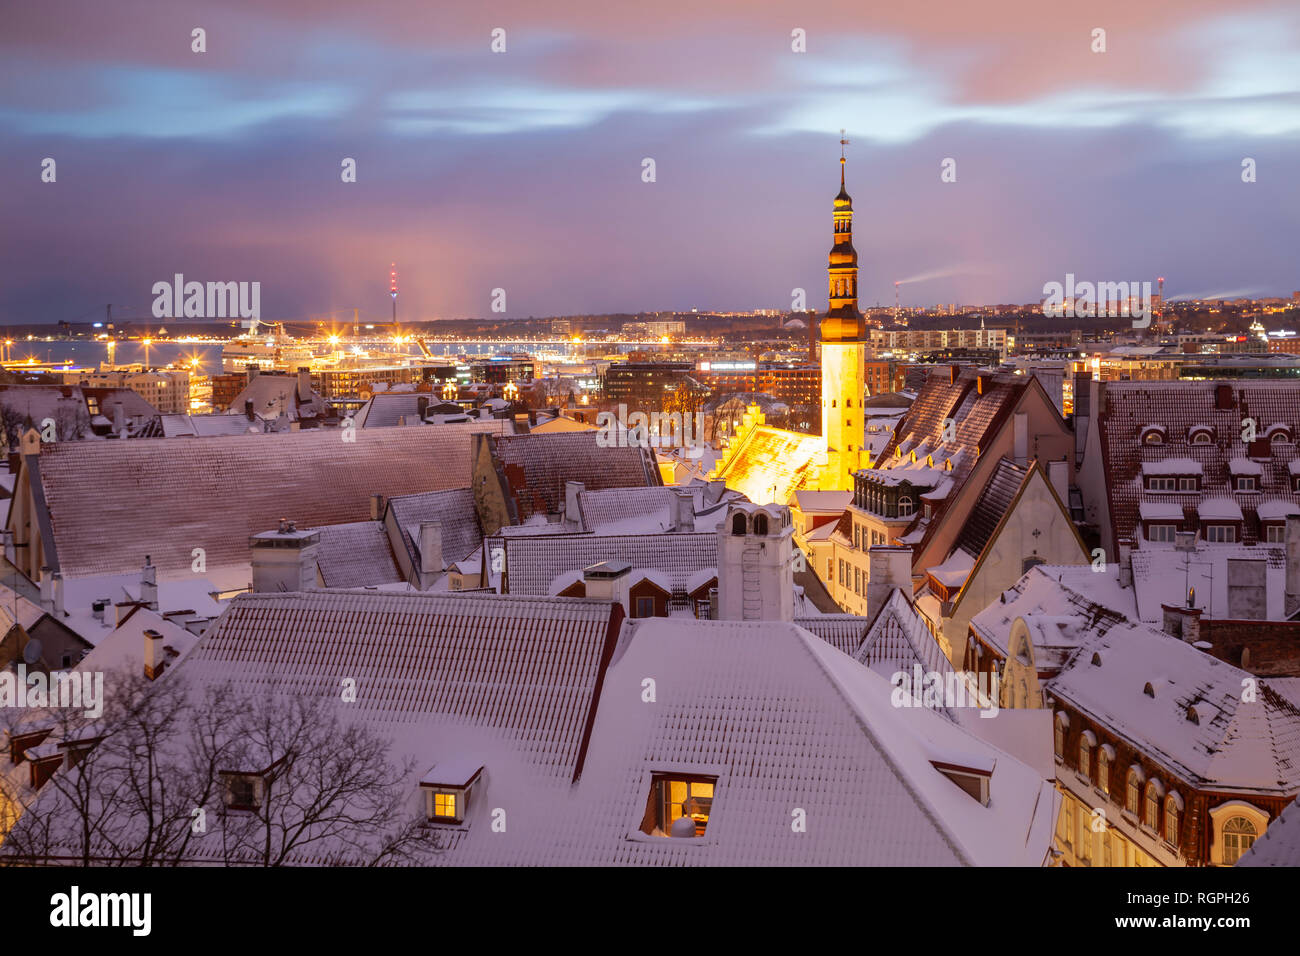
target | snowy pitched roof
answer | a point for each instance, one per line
(165, 498)
(356, 555)
(650, 510)
(771, 464)
(536, 467)
(1162, 575)
(532, 562)
(822, 502)
(453, 509)
(1230, 745)
(1280, 844)
(525, 667)
(898, 640)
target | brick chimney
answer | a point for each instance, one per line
(376, 507)
(154, 656)
(572, 513)
(1182, 622)
(889, 567)
(430, 553)
(683, 510)
(1292, 564)
(304, 384)
(149, 584)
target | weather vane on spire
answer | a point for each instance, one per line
(844, 141)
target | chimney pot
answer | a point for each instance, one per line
(153, 655)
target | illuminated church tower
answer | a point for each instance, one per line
(844, 352)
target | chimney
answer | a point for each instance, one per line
(121, 610)
(285, 559)
(47, 589)
(1292, 603)
(119, 419)
(1223, 397)
(422, 406)
(1021, 438)
(756, 564)
(572, 513)
(304, 384)
(1125, 563)
(683, 510)
(153, 655)
(608, 581)
(1247, 589)
(376, 507)
(248, 408)
(1058, 473)
(1182, 622)
(253, 369)
(97, 609)
(149, 584)
(58, 593)
(430, 553)
(953, 372)
(889, 567)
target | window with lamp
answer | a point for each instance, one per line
(677, 796)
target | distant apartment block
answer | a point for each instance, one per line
(167, 390)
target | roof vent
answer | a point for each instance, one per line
(1193, 716)
(1096, 661)
(1149, 690)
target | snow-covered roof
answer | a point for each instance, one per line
(822, 502)
(1220, 509)
(1161, 511)
(356, 554)
(1162, 575)
(1172, 466)
(1276, 509)
(1244, 466)
(1232, 745)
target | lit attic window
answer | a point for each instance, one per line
(447, 788)
(679, 805)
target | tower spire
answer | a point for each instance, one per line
(844, 141)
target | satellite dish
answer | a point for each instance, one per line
(32, 652)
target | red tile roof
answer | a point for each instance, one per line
(1129, 407)
(537, 466)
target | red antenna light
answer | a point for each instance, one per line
(392, 285)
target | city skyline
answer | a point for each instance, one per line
(523, 170)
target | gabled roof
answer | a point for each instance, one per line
(387, 409)
(1280, 844)
(898, 641)
(356, 554)
(650, 510)
(771, 464)
(111, 503)
(537, 466)
(453, 509)
(526, 668)
(533, 562)
(1231, 745)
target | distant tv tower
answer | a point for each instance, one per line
(896, 308)
(1160, 321)
(392, 289)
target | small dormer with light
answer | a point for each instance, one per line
(449, 788)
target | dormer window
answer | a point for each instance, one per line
(1247, 483)
(1200, 435)
(1153, 435)
(447, 788)
(679, 805)
(243, 791)
(974, 780)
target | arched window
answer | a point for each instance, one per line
(1151, 809)
(760, 523)
(1085, 756)
(904, 506)
(738, 524)
(1133, 793)
(1104, 757)
(1201, 438)
(1238, 837)
(1173, 818)
(1062, 722)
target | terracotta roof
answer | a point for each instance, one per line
(537, 466)
(1130, 407)
(356, 555)
(111, 503)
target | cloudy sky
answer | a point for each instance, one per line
(522, 170)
